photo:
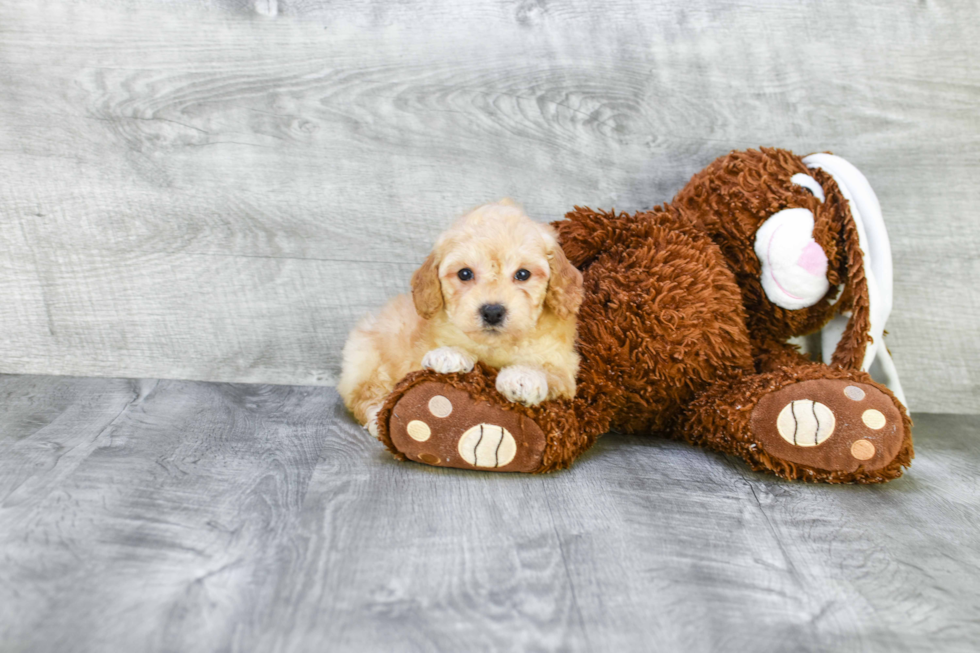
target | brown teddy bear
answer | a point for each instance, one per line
(683, 331)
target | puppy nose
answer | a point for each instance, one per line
(492, 314)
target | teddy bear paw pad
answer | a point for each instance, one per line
(436, 424)
(830, 424)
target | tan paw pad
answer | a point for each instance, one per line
(805, 423)
(487, 445)
(419, 431)
(440, 406)
(873, 419)
(854, 393)
(862, 450)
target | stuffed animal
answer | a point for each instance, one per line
(684, 331)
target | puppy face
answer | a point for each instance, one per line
(494, 273)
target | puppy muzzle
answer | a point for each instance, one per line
(493, 315)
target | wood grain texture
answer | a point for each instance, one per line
(187, 516)
(218, 189)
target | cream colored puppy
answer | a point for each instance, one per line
(496, 289)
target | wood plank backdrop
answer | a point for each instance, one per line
(217, 189)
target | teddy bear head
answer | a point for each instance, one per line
(793, 231)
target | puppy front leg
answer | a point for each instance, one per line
(446, 360)
(561, 381)
(372, 419)
(523, 384)
(532, 385)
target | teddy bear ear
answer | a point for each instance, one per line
(426, 290)
(857, 340)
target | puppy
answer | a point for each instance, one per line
(496, 288)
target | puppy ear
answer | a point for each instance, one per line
(565, 291)
(426, 291)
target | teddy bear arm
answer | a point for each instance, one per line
(584, 233)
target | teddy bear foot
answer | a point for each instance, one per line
(436, 424)
(836, 426)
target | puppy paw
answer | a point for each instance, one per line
(447, 360)
(523, 385)
(372, 420)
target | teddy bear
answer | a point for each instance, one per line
(685, 330)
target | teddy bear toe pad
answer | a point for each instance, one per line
(830, 424)
(436, 424)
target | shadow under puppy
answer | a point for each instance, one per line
(497, 289)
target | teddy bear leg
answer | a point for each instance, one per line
(811, 423)
(461, 421)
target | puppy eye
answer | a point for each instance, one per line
(522, 275)
(465, 274)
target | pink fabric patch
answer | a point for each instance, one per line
(813, 260)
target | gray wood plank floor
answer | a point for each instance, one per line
(186, 516)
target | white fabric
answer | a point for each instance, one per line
(781, 243)
(876, 251)
(831, 335)
(810, 183)
(883, 370)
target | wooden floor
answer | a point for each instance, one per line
(183, 516)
